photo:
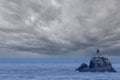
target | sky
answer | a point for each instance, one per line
(45, 28)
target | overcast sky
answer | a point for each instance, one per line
(59, 27)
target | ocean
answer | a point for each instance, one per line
(52, 69)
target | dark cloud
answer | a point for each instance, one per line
(60, 27)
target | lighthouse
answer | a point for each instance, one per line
(98, 53)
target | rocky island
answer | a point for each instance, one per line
(97, 64)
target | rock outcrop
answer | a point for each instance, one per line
(97, 64)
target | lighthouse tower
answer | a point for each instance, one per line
(98, 53)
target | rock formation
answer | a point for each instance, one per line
(97, 64)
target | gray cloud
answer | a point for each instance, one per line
(60, 27)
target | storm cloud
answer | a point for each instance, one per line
(60, 27)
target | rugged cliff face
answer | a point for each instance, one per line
(97, 64)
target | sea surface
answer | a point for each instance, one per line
(52, 69)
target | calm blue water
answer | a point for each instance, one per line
(51, 69)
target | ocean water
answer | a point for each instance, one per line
(52, 69)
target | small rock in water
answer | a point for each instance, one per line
(97, 64)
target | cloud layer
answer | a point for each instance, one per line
(60, 27)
